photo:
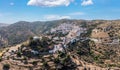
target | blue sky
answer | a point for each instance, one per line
(41, 10)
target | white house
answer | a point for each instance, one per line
(95, 30)
(37, 37)
(56, 48)
(116, 41)
(96, 40)
(34, 52)
(56, 38)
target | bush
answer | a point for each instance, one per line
(7, 57)
(6, 67)
(61, 54)
(25, 58)
(45, 64)
(91, 53)
(34, 63)
(0, 59)
(25, 62)
(96, 58)
(30, 38)
(80, 52)
(56, 60)
(19, 54)
(65, 60)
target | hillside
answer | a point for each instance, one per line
(67, 44)
(20, 31)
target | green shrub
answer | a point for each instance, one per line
(61, 54)
(45, 64)
(91, 53)
(6, 67)
(25, 62)
(19, 54)
(0, 59)
(34, 63)
(80, 52)
(56, 60)
(30, 38)
(25, 58)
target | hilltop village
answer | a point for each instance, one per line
(67, 47)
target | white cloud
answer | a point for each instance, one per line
(11, 3)
(55, 17)
(76, 13)
(87, 2)
(65, 17)
(49, 3)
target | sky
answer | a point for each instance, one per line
(12, 11)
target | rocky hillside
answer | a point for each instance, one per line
(20, 31)
(69, 45)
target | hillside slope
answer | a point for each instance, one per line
(22, 30)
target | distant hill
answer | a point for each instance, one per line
(3, 25)
(22, 30)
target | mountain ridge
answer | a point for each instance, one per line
(22, 30)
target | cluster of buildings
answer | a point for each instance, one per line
(73, 33)
(76, 31)
(63, 28)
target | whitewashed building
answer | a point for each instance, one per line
(57, 48)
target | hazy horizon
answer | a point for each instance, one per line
(59, 19)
